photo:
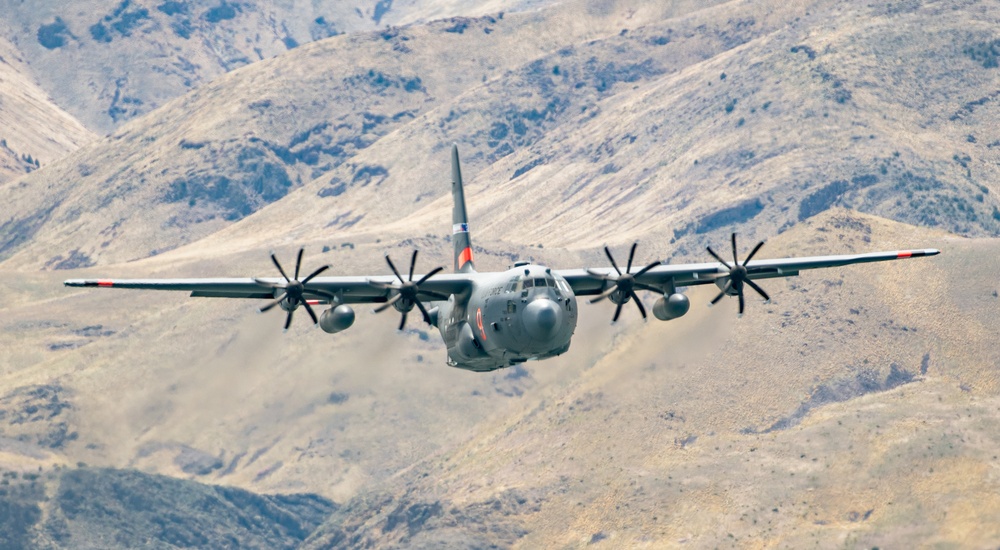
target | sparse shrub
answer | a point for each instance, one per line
(985, 53)
(822, 199)
(53, 35)
(172, 7)
(100, 33)
(733, 215)
(222, 12)
(459, 26)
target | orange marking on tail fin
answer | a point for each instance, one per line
(465, 257)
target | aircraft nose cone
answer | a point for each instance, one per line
(542, 318)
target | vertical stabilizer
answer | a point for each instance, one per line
(459, 219)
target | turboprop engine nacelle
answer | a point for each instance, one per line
(337, 319)
(671, 307)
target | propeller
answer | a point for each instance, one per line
(737, 275)
(625, 284)
(292, 290)
(405, 297)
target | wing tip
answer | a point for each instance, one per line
(88, 283)
(917, 253)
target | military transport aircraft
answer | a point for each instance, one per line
(493, 320)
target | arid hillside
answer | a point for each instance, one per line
(108, 62)
(854, 409)
(673, 123)
(33, 129)
(858, 408)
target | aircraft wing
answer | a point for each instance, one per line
(589, 281)
(347, 290)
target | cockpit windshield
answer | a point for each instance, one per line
(522, 284)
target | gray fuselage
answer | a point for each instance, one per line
(524, 313)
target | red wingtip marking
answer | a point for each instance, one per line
(105, 283)
(465, 257)
(906, 254)
(313, 302)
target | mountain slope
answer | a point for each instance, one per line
(33, 130)
(131, 56)
(829, 415)
(100, 508)
(705, 117)
(250, 137)
(858, 408)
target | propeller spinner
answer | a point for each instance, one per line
(624, 285)
(407, 291)
(292, 290)
(737, 276)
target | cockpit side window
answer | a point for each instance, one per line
(563, 285)
(512, 285)
(528, 283)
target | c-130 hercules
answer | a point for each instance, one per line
(493, 320)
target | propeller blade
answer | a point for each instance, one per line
(638, 304)
(601, 276)
(737, 275)
(423, 279)
(631, 255)
(298, 263)
(423, 310)
(605, 294)
(311, 313)
(754, 251)
(729, 285)
(618, 311)
(650, 288)
(277, 301)
(388, 304)
(647, 268)
(717, 257)
(380, 285)
(394, 270)
(402, 322)
(759, 290)
(315, 273)
(267, 284)
(278, 265)
(288, 320)
(612, 258)
(413, 264)
(736, 260)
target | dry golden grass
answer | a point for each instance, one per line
(650, 435)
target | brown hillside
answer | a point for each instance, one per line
(33, 130)
(250, 137)
(698, 122)
(858, 408)
(108, 62)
